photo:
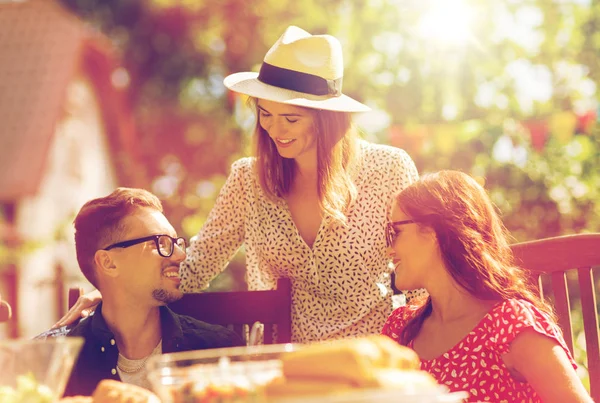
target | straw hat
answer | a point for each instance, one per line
(299, 69)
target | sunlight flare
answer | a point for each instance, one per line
(447, 22)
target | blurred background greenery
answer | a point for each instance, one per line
(505, 90)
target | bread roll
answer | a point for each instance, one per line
(349, 360)
(341, 366)
(110, 391)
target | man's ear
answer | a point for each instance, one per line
(105, 263)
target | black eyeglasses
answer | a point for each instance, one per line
(165, 244)
(390, 233)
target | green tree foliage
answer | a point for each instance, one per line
(463, 74)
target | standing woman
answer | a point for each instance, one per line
(313, 204)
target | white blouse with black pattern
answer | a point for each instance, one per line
(341, 286)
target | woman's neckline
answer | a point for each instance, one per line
(462, 340)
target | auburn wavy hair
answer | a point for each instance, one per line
(337, 156)
(472, 239)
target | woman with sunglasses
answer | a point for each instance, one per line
(313, 204)
(482, 329)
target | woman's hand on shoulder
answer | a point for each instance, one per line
(84, 306)
(546, 367)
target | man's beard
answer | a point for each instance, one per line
(165, 296)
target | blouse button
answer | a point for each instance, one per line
(102, 349)
(112, 342)
(113, 371)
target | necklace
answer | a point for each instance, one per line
(135, 369)
(142, 362)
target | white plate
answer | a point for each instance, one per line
(382, 396)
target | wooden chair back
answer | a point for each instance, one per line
(238, 310)
(559, 259)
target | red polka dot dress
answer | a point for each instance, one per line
(475, 364)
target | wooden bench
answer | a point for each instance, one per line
(559, 259)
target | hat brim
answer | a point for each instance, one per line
(247, 83)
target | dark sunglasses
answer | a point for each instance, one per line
(165, 244)
(390, 233)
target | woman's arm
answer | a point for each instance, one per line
(546, 367)
(83, 307)
(223, 233)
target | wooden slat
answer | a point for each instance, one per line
(563, 306)
(590, 323)
(536, 281)
(558, 253)
(284, 325)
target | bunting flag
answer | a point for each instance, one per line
(446, 137)
(562, 126)
(538, 130)
(586, 122)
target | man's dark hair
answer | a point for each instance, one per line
(99, 224)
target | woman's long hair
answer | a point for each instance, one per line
(337, 155)
(472, 239)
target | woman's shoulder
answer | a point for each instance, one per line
(407, 312)
(380, 152)
(243, 169)
(393, 162)
(518, 310)
(398, 320)
(509, 318)
(244, 164)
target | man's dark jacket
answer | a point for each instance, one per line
(99, 355)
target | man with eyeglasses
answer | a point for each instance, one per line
(129, 251)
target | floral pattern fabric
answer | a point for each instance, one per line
(341, 285)
(475, 364)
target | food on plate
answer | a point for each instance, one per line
(27, 389)
(215, 392)
(110, 391)
(371, 362)
(227, 382)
